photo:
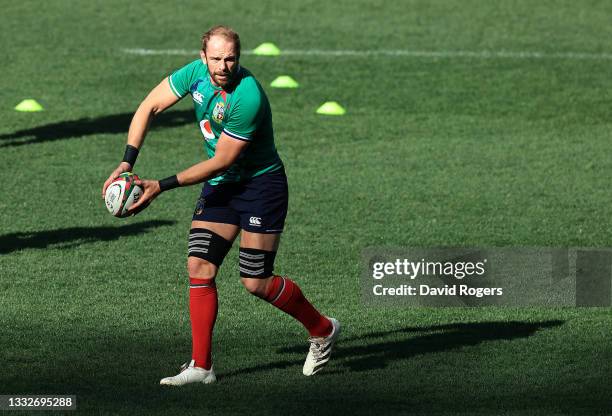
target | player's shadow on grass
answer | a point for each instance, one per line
(378, 350)
(111, 124)
(74, 236)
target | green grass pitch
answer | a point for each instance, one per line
(440, 149)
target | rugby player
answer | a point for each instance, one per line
(245, 192)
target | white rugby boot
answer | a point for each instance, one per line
(190, 374)
(320, 350)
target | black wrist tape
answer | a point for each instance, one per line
(170, 182)
(131, 153)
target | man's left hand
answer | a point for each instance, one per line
(151, 190)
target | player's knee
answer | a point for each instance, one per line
(201, 269)
(257, 287)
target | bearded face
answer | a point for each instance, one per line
(221, 59)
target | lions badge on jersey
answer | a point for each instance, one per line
(218, 112)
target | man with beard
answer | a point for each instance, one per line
(245, 192)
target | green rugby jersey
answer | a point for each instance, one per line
(242, 112)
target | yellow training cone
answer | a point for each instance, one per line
(331, 108)
(29, 106)
(267, 49)
(284, 81)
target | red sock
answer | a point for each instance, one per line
(203, 307)
(287, 296)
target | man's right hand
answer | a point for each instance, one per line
(159, 99)
(123, 167)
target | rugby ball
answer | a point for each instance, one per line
(122, 193)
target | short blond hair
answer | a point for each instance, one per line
(225, 31)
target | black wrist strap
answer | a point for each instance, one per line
(131, 153)
(168, 183)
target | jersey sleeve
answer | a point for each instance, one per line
(244, 117)
(182, 79)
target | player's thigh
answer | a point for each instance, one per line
(260, 241)
(227, 231)
(262, 207)
(204, 260)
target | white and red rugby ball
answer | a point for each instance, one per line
(122, 193)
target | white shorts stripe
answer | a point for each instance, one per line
(199, 243)
(251, 264)
(198, 250)
(195, 235)
(252, 256)
(249, 271)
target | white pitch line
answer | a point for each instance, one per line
(398, 53)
